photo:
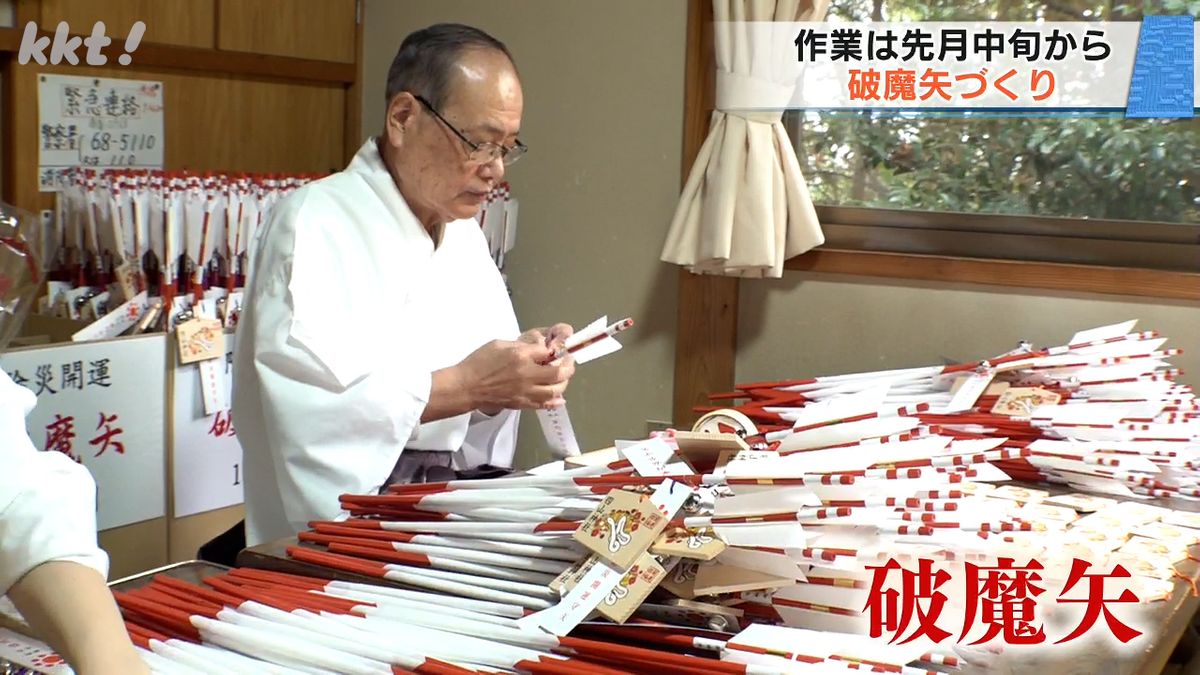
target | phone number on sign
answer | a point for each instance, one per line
(96, 149)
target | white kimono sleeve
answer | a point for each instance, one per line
(47, 501)
(490, 440)
(338, 403)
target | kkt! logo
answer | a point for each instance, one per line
(64, 45)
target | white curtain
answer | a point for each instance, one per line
(745, 208)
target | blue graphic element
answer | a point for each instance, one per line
(1162, 69)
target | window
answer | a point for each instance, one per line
(1087, 189)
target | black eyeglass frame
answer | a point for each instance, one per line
(507, 155)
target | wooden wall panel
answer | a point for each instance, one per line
(5, 127)
(309, 29)
(215, 123)
(135, 548)
(353, 121)
(25, 11)
(187, 535)
(253, 126)
(191, 23)
(706, 332)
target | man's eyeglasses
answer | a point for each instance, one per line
(485, 152)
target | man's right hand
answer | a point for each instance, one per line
(503, 374)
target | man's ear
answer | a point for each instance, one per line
(398, 119)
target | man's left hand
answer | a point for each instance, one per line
(553, 337)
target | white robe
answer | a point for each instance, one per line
(47, 501)
(349, 308)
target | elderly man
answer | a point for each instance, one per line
(378, 343)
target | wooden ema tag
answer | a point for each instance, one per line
(571, 576)
(702, 450)
(1021, 495)
(1088, 503)
(632, 589)
(723, 460)
(1020, 401)
(996, 388)
(681, 582)
(127, 280)
(622, 528)
(701, 544)
(61, 307)
(600, 457)
(200, 339)
(558, 583)
(715, 578)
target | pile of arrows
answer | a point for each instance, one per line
(757, 542)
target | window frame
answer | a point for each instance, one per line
(1137, 258)
(1090, 272)
(1167, 247)
(990, 237)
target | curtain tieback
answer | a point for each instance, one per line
(738, 88)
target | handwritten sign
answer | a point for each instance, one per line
(97, 123)
(208, 457)
(101, 404)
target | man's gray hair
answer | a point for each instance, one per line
(424, 65)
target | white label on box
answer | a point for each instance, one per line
(208, 457)
(101, 403)
(115, 322)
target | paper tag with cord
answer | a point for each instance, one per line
(593, 342)
(556, 425)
